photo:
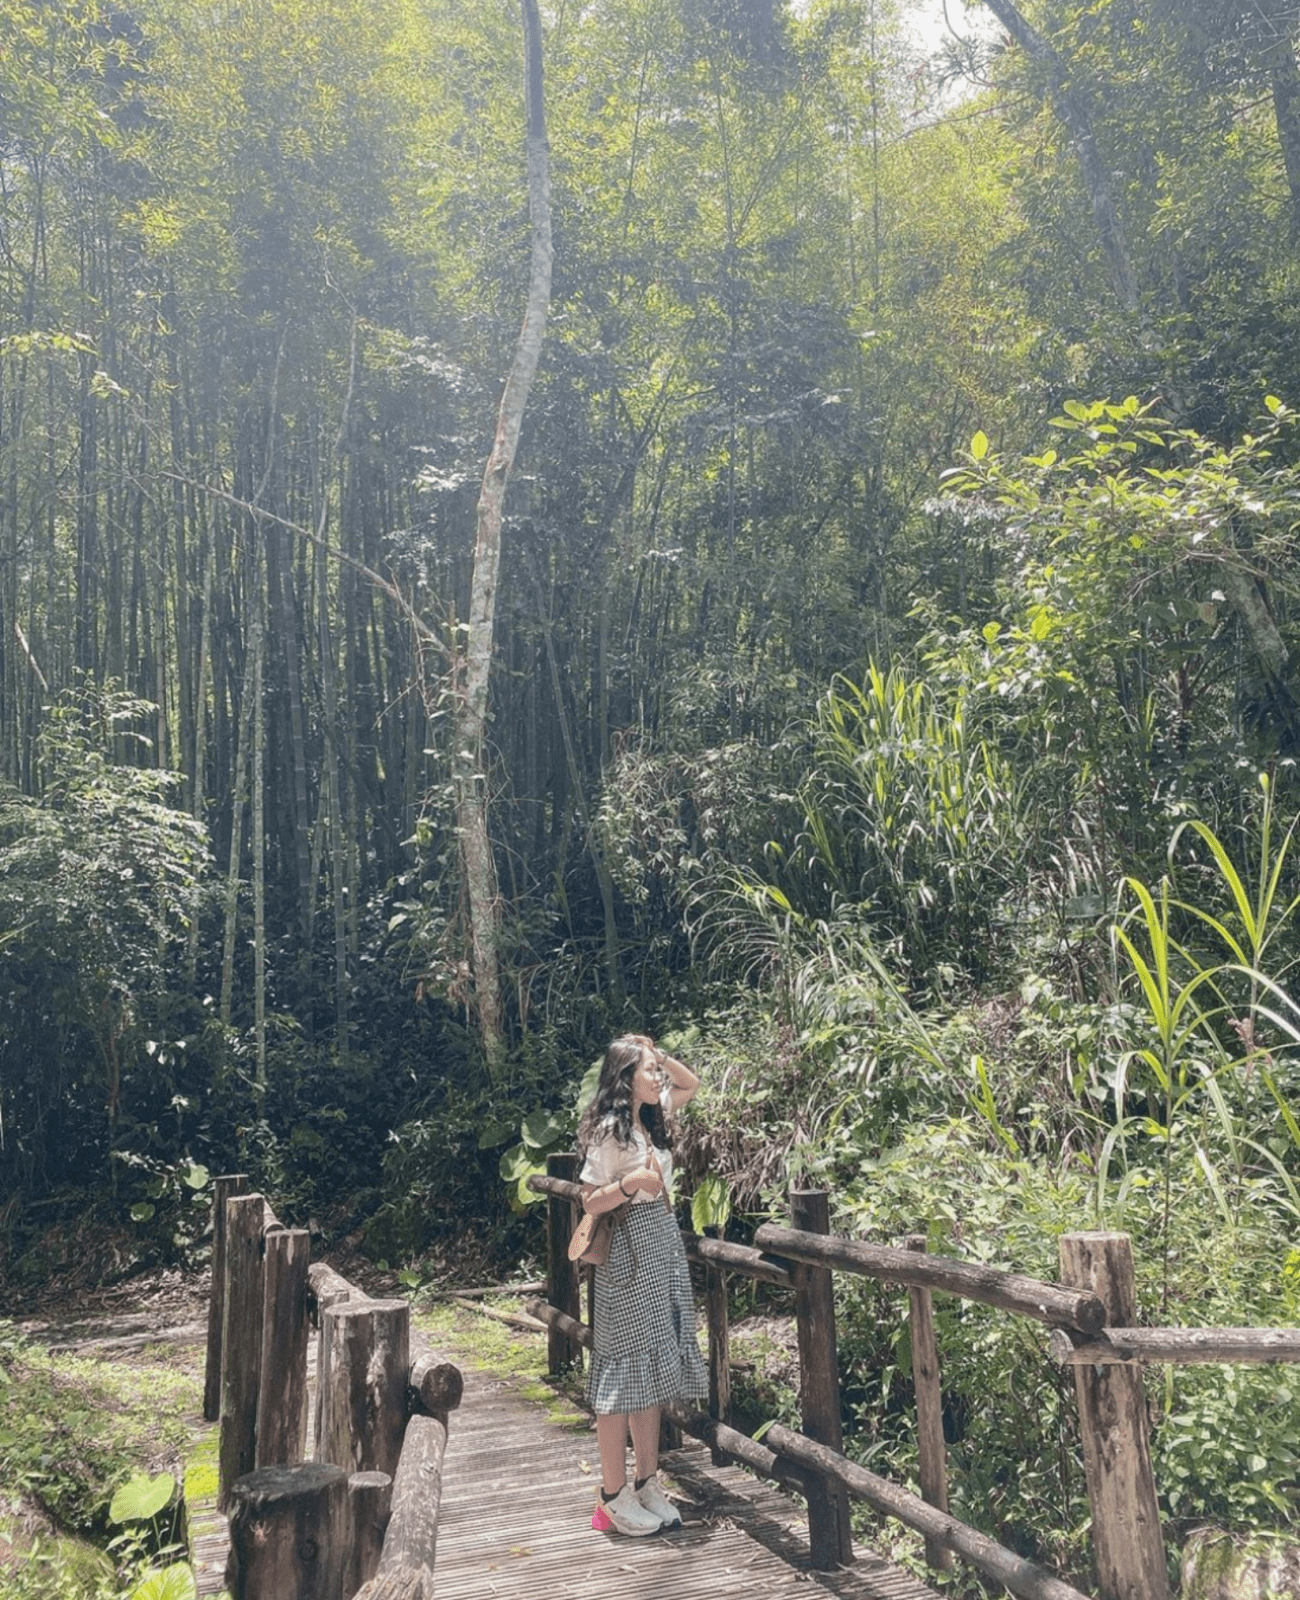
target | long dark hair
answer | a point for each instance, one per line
(611, 1105)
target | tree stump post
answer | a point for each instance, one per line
(562, 1352)
(222, 1188)
(289, 1533)
(933, 1456)
(1127, 1541)
(370, 1504)
(829, 1534)
(363, 1384)
(241, 1342)
(282, 1393)
(326, 1289)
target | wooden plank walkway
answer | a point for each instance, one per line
(515, 1523)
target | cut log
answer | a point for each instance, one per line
(1051, 1303)
(282, 1392)
(370, 1502)
(405, 1585)
(412, 1538)
(550, 1316)
(931, 1451)
(222, 1189)
(325, 1288)
(738, 1258)
(512, 1319)
(562, 1352)
(1177, 1346)
(1127, 1542)
(1023, 1578)
(363, 1384)
(715, 1305)
(829, 1535)
(241, 1342)
(288, 1533)
(437, 1384)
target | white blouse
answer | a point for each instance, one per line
(608, 1160)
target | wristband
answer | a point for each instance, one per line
(623, 1191)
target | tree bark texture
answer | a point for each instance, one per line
(222, 1189)
(562, 1351)
(363, 1384)
(931, 1451)
(470, 754)
(1051, 1303)
(289, 1534)
(241, 1341)
(370, 1504)
(282, 1392)
(1181, 1347)
(829, 1533)
(1023, 1578)
(412, 1538)
(1126, 1537)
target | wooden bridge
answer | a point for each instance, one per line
(504, 1497)
(515, 1520)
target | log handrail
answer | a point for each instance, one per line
(1176, 1347)
(1050, 1303)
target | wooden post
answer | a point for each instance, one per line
(370, 1500)
(829, 1532)
(325, 1289)
(561, 1273)
(288, 1533)
(933, 1459)
(222, 1188)
(363, 1384)
(1126, 1538)
(241, 1342)
(412, 1538)
(282, 1393)
(715, 1306)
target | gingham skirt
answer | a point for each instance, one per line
(644, 1349)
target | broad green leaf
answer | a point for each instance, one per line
(142, 1497)
(541, 1129)
(979, 446)
(176, 1582)
(711, 1203)
(142, 1211)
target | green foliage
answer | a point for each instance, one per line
(73, 1433)
(98, 881)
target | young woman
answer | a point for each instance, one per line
(645, 1351)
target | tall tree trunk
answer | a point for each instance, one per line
(1072, 108)
(1284, 75)
(469, 753)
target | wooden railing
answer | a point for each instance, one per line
(1090, 1313)
(360, 1518)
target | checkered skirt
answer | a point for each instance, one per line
(644, 1350)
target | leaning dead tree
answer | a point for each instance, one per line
(474, 650)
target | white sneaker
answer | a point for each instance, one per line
(657, 1503)
(627, 1515)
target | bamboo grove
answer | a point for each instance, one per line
(262, 268)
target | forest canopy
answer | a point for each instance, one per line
(827, 481)
(892, 698)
